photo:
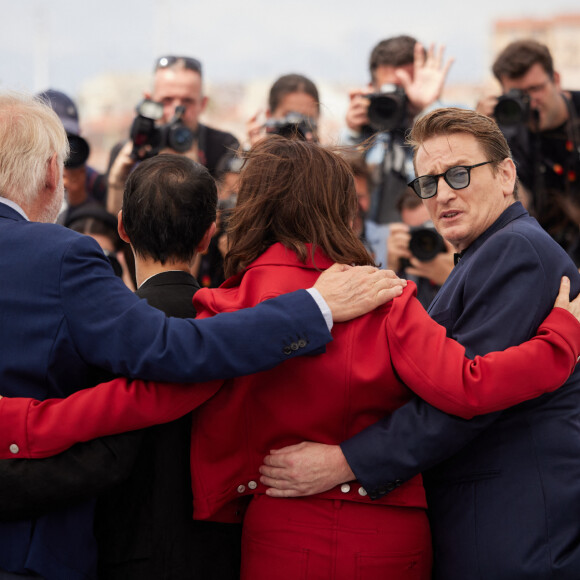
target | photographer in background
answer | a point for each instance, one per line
(416, 251)
(293, 110)
(540, 123)
(177, 100)
(406, 80)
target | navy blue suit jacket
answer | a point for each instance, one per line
(67, 322)
(504, 489)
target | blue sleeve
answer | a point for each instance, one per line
(113, 329)
(507, 292)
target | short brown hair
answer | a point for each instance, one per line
(396, 51)
(448, 121)
(516, 59)
(294, 192)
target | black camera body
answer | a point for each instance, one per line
(426, 242)
(388, 108)
(149, 138)
(512, 108)
(292, 125)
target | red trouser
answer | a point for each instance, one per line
(323, 539)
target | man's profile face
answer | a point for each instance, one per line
(175, 87)
(544, 94)
(462, 215)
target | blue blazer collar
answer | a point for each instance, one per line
(9, 213)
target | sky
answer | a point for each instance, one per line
(64, 43)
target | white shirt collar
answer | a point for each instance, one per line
(14, 206)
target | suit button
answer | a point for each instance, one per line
(382, 490)
(390, 486)
(252, 485)
(14, 449)
(398, 482)
(362, 491)
(302, 343)
(241, 488)
(294, 346)
(345, 488)
(287, 350)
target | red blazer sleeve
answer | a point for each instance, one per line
(436, 369)
(31, 428)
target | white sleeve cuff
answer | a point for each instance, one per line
(321, 303)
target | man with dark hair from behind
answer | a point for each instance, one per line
(144, 527)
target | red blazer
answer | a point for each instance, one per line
(399, 334)
(325, 399)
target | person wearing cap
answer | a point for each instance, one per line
(84, 185)
(177, 82)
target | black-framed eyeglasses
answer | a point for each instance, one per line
(188, 62)
(457, 177)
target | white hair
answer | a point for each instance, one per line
(30, 134)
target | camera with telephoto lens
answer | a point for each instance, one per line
(292, 125)
(425, 243)
(512, 108)
(388, 108)
(149, 138)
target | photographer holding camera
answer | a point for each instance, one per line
(293, 111)
(168, 120)
(416, 251)
(406, 80)
(540, 123)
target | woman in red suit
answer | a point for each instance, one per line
(296, 205)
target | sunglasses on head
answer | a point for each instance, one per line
(457, 177)
(188, 62)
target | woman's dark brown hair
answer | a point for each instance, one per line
(296, 193)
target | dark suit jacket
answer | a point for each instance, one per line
(65, 317)
(145, 527)
(503, 490)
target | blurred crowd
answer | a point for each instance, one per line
(538, 117)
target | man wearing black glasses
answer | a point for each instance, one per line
(177, 82)
(503, 489)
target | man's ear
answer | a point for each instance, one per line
(209, 234)
(557, 80)
(121, 227)
(507, 171)
(53, 174)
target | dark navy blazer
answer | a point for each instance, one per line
(504, 489)
(66, 322)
